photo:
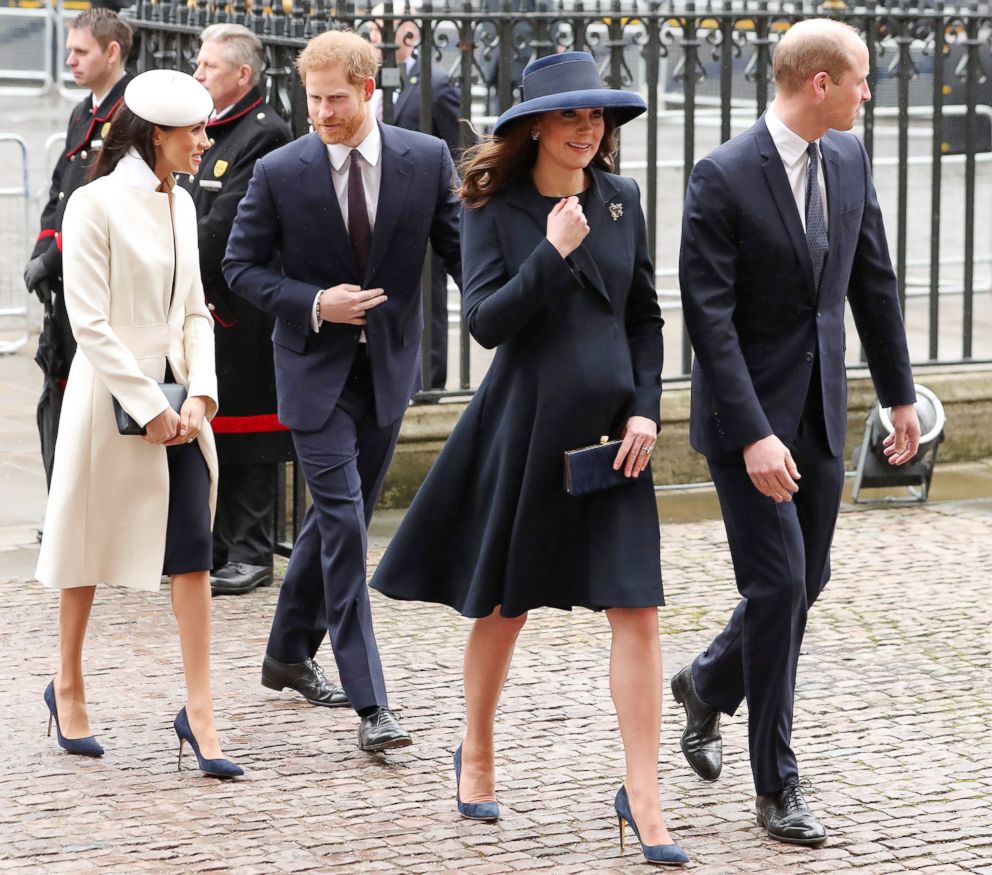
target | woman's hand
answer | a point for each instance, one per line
(567, 226)
(190, 420)
(163, 428)
(639, 436)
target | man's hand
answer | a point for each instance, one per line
(348, 304)
(771, 468)
(902, 445)
(36, 279)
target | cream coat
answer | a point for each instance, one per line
(108, 503)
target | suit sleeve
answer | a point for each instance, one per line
(447, 109)
(46, 244)
(215, 225)
(496, 305)
(643, 325)
(444, 234)
(707, 273)
(247, 263)
(874, 299)
(87, 301)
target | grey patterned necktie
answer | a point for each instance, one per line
(816, 225)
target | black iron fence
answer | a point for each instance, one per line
(705, 72)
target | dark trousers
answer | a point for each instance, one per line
(781, 556)
(439, 323)
(325, 590)
(243, 526)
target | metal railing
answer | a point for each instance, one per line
(15, 197)
(705, 72)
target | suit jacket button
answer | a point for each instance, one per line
(809, 356)
(61, 195)
(83, 154)
(211, 307)
(260, 116)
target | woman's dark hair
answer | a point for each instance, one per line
(126, 131)
(489, 166)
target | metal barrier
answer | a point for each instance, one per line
(15, 242)
(26, 51)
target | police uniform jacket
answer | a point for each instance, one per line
(248, 431)
(84, 137)
(108, 503)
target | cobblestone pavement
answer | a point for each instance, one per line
(892, 728)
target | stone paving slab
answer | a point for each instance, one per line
(892, 725)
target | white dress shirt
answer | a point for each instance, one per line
(340, 157)
(792, 150)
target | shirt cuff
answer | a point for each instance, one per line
(314, 322)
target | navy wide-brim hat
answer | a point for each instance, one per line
(568, 80)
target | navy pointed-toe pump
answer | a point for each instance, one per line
(472, 810)
(218, 768)
(664, 855)
(87, 747)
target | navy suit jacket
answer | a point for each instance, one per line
(755, 319)
(291, 213)
(446, 107)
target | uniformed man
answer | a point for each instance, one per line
(250, 440)
(98, 43)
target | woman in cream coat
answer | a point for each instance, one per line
(122, 509)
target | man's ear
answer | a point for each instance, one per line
(368, 88)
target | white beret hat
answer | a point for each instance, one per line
(168, 97)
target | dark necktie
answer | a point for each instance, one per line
(359, 229)
(816, 225)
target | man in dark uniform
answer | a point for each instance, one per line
(446, 125)
(98, 43)
(250, 440)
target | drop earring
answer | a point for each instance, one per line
(535, 134)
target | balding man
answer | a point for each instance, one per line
(250, 440)
(781, 225)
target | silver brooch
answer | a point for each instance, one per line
(616, 211)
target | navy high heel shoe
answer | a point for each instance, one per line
(665, 855)
(87, 747)
(472, 810)
(219, 768)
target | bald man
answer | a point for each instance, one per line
(781, 226)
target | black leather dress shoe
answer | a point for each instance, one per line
(380, 730)
(307, 678)
(701, 741)
(237, 578)
(786, 817)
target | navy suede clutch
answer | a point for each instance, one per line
(590, 469)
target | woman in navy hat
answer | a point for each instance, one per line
(558, 278)
(126, 509)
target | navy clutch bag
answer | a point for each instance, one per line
(175, 394)
(590, 469)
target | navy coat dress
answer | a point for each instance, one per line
(579, 351)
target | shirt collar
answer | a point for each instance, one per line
(791, 147)
(133, 171)
(370, 149)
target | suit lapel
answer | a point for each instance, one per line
(320, 201)
(778, 184)
(835, 200)
(394, 187)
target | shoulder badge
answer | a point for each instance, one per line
(220, 168)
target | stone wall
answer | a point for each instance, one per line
(965, 391)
